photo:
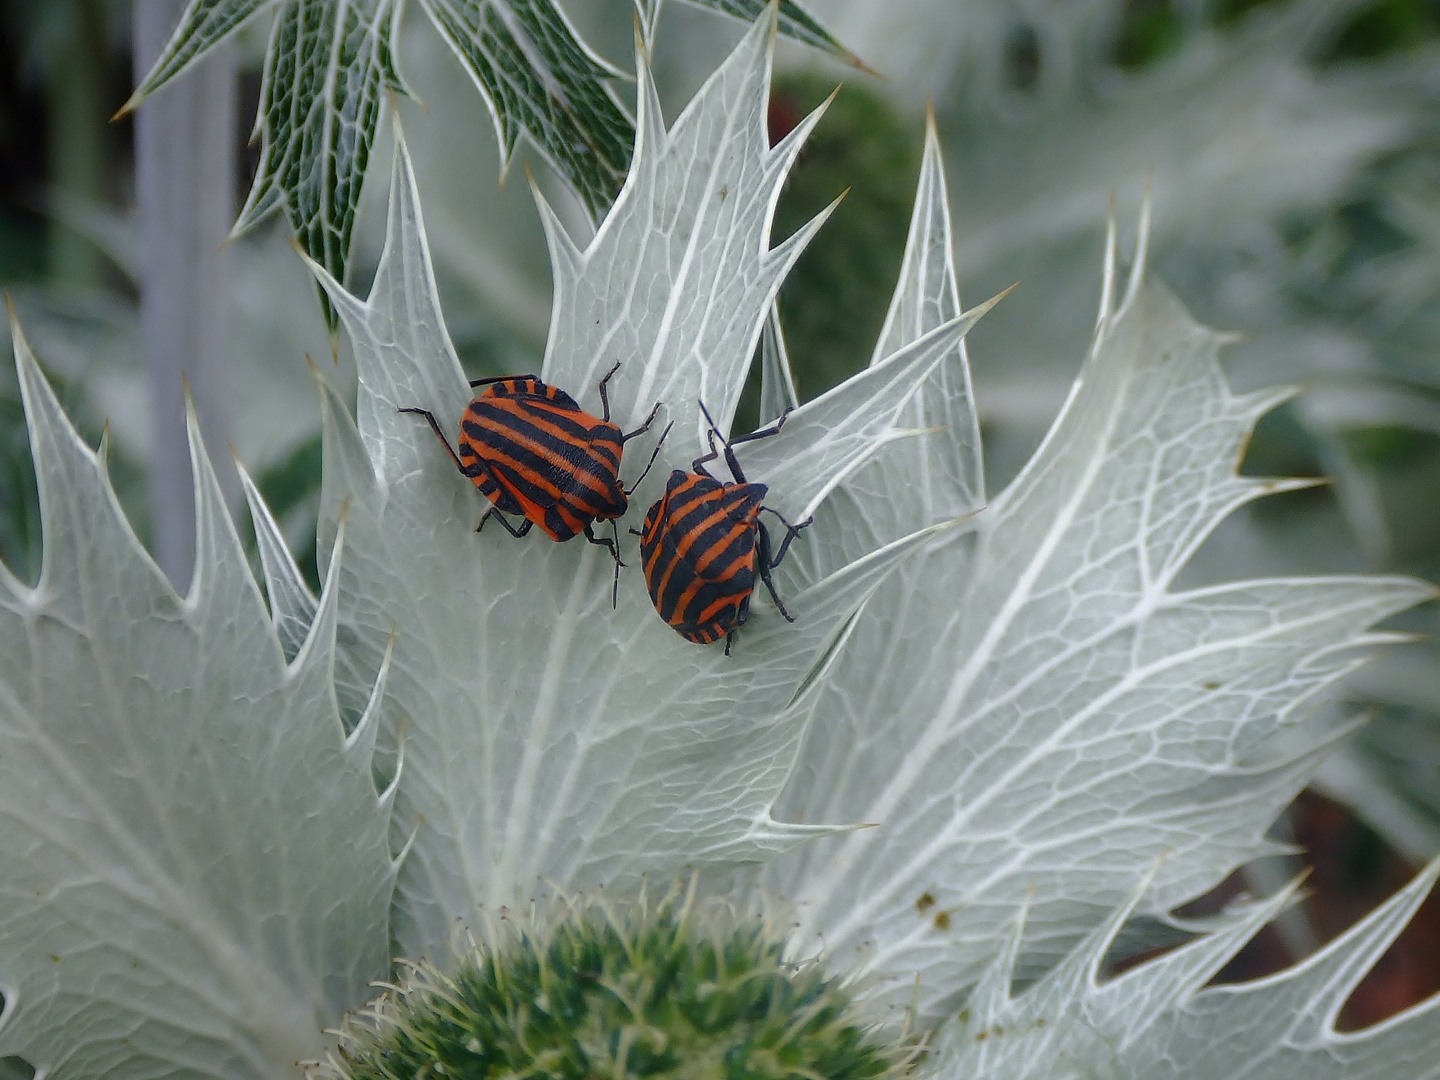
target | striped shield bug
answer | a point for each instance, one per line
(533, 452)
(703, 542)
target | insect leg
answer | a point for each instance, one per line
(765, 432)
(742, 616)
(653, 455)
(605, 397)
(513, 530)
(759, 433)
(614, 547)
(763, 558)
(728, 444)
(791, 531)
(698, 465)
(626, 437)
(435, 427)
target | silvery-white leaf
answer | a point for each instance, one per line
(927, 295)
(194, 871)
(678, 280)
(777, 383)
(1159, 1020)
(546, 736)
(822, 441)
(1090, 718)
(937, 472)
(292, 606)
(1389, 770)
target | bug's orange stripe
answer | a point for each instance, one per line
(688, 538)
(546, 450)
(709, 614)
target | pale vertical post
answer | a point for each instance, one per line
(185, 201)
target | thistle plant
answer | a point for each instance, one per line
(675, 989)
(329, 65)
(995, 742)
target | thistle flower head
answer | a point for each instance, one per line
(676, 989)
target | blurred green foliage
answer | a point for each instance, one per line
(833, 305)
(19, 498)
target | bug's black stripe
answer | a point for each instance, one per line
(715, 607)
(700, 520)
(556, 516)
(511, 413)
(704, 525)
(563, 523)
(703, 635)
(505, 433)
(561, 520)
(709, 518)
(668, 576)
(497, 447)
(482, 473)
(578, 476)
(531, 387)
(688, 599)
(655, 516)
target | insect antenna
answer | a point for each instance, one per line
(653, 455)
(494, 379)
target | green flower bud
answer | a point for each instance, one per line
(675, 989)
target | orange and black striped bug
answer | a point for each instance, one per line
(703, 542)
(532, 451)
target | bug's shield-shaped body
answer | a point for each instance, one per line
(532, 451)
(698, 548)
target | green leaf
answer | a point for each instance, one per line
(795, 22)
(1160, 1021)
(329, 63)
(204, 24)
(326, 70)
(194, 870)
(539, 78)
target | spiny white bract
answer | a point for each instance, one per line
(194, 853)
